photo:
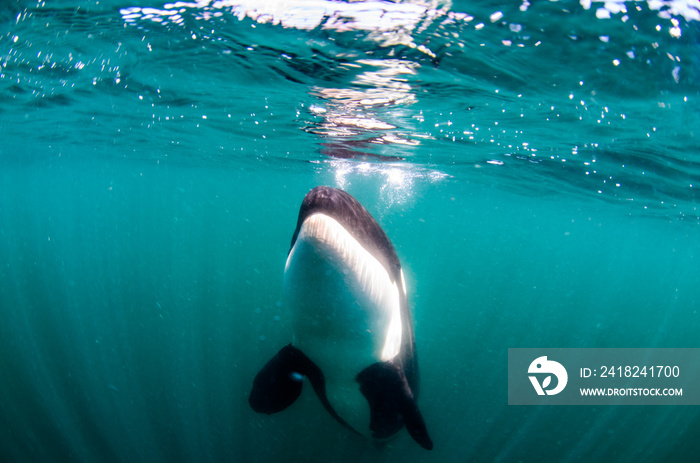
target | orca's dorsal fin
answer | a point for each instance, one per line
(391, 403)
(278, 384)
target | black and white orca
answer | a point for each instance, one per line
(352, 332)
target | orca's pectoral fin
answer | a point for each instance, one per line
(416, 426)
(278, 384)
(391, 403)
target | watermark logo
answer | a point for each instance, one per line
(603, 376)
(541, 367)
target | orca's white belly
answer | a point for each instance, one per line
(345, 310)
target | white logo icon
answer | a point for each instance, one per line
(542, 365)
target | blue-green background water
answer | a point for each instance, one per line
(153, 161)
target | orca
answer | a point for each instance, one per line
(352, 334)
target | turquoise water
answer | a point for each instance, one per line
(536, 166)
